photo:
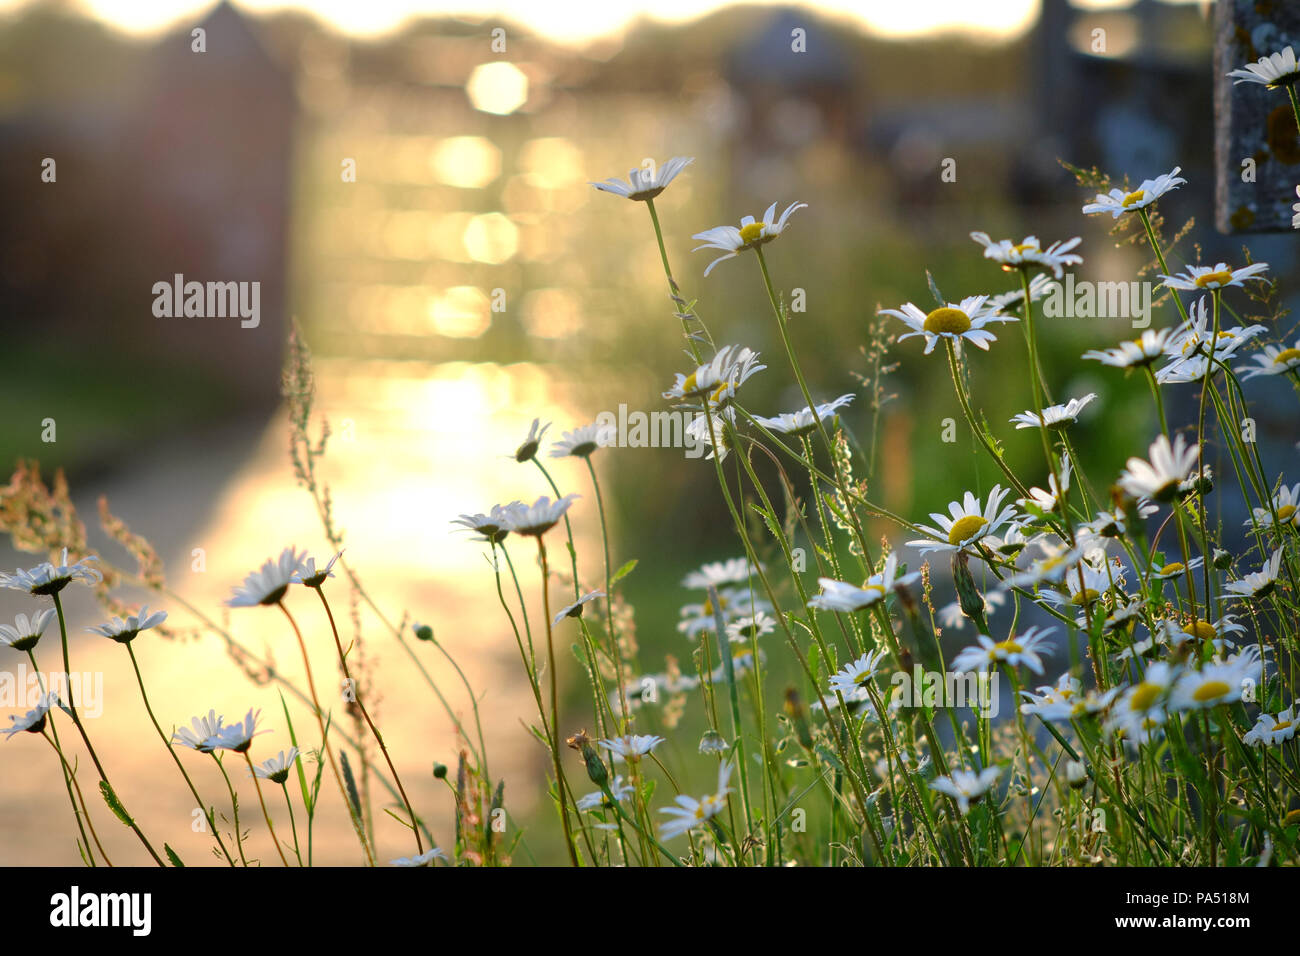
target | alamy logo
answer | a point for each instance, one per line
(74, 908)
(209, 300)
(1099, 300)
(22, 688)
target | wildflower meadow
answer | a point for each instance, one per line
(1062, 666)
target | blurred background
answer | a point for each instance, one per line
(470, 280)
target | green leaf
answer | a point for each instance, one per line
(934, 289)
(171, 855)
(622, 572)
(354, 797)
(114, 804)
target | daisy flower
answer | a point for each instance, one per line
(277, 768)
(750, 235)
(238, 737)
(1085, 583)
(1269, 731)
(733, 602)
(1189, 348)
(621, 790)
(1014, 651)
(1287, 505)
(1142, 351)
(1015, 299)
(268, 585)
(1201, 631)
(1012, 255)
(1159, 479)
(1274, 71)
(710, 431)
(714, 384)
(309, 576)
(202, 733)
(839, 596)
(966, 787)
(1047, 501)
(34, 720)
(802, 422)
(26, 631)
(1057, 561)
(1215, 683)
(965, 320)
(575, 609)
(1219, 276)
(645, 182)
(1054, 416)
(1260, 583)
(690, 813)
(492, 527)
(952, 616)
(581, 442)
(48, 578)
(631, 747)
(1117, 202)
(1174, 569)
(1140, 709)
(125, 630)
(539, 517)
(1273, 360)
(749, 627)
(965, 523)
(719, 573)
(527, 450)
(424, 859)
(855, 677)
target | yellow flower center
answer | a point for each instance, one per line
(1086, 596)
(1287, 355)
(751, 233)
(963, 529)
(1201, 630)
(1211, 690)
(1213, 278)
(689, 385)
(707, 609)
(1009, 646)
(1290, 818)
(1173, 567)
(1020, 249)
(948, 321)
(1144, 695)
(1285, 512)
(1281, 725)
(1135, 196)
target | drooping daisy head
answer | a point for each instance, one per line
(1117, 201)
(576, 608)
(1168, 467)
(538, 518)
(646, 181)
(839, 596)
(1258, 584)
(277, 768)
(803, 422)
(1014, 301)
(48, 578)
(1029, 253)
(1054, 417)
(34, 720)
(124, 630)
(719, 573)
(238, 737)
(966, 523)
(751, 234)
(492, 527)
(631, 747)
(268, 584)
(1274, 71)
(582, 442)
(964, 321)
(26, 632)
(202, 734)
(1144, 350)
(967, 787)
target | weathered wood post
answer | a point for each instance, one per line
(1256, 148)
